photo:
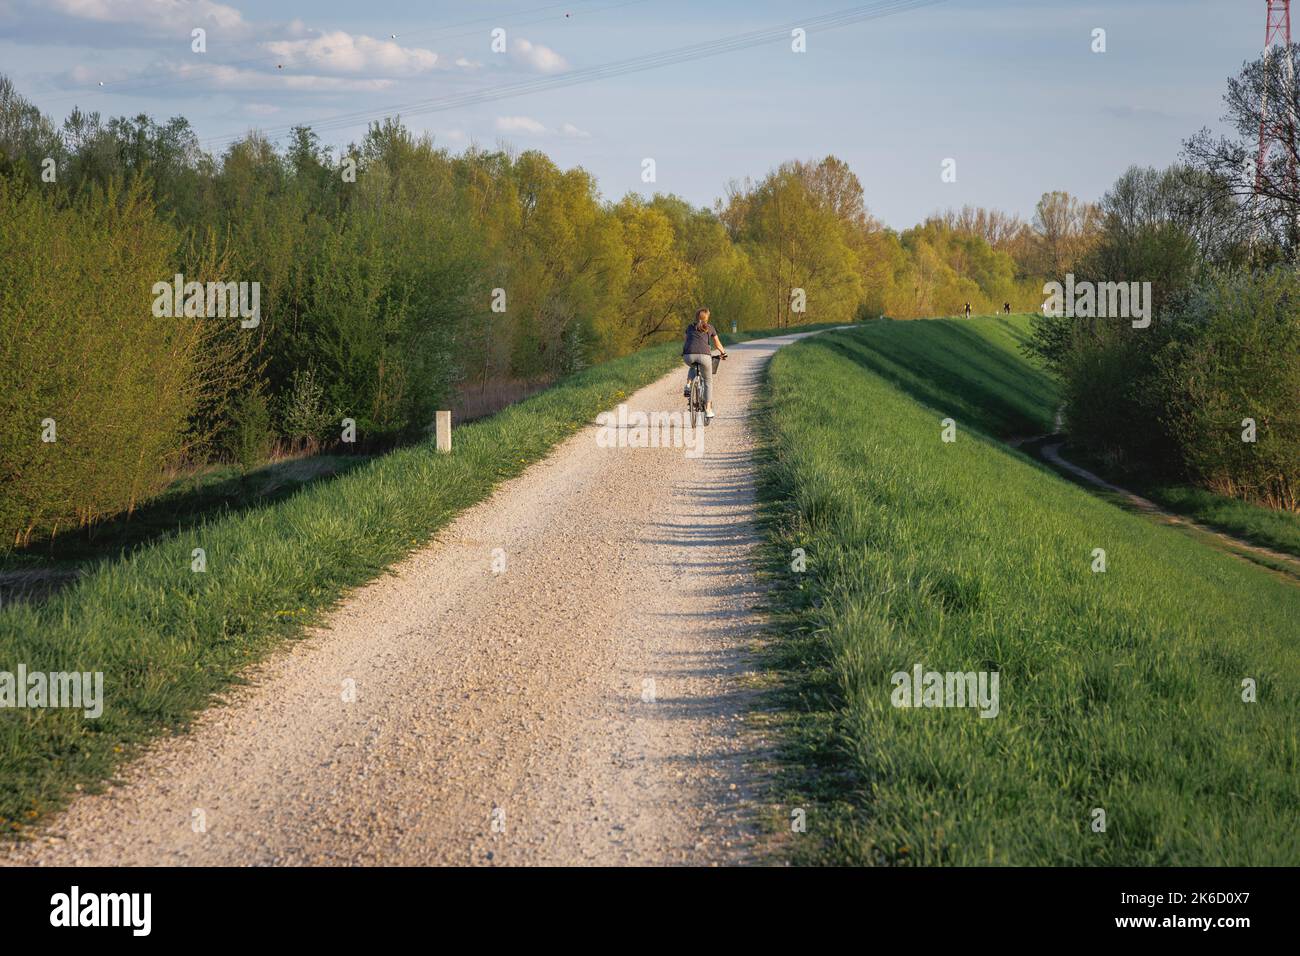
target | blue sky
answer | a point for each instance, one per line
(1010, 89)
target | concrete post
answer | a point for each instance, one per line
(443, 430)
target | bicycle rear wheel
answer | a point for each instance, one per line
(695, 405)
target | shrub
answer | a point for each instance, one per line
(303, 415)
(1110, 407)
(79, 345)
(250, 432)
(1235, 355)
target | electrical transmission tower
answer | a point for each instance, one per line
(1277, 33)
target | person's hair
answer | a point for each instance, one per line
(701, 314)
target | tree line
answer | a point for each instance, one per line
(393, 276)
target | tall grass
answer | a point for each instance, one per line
(1119, 691)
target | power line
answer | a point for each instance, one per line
(717, 47)
(112, 86)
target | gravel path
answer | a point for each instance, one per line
(585, 705)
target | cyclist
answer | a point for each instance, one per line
(697, 354)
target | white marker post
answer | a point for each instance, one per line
(442, 430)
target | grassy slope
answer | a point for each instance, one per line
(1119, 690)
(206, 495)
(167, 639)
(977, 367)
(973, 368)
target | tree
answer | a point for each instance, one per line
(96, 403)
(1264, 94)
(1235, 356)
(997, 228)
(1064, 227)
(658, 279)
(27, 138)
(800, 246)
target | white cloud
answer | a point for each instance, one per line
(159, 15)
(294, 57)
(261, 109)
(234, 78)
(81, 75)
(531, 127)
(199, 79)
(341, 52)
(519, 124)
(540, 58)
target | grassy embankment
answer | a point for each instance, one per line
(1022, 400)
(1119, 691)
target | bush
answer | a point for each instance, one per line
(250, 432)
(1111, 405)
(1235, 355)
(79, 345)
(304, 417)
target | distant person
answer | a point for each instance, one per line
(1006, 308)
(699, 358)
(968, 310)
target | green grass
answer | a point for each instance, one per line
(977, 370)
(1266, 527)
(206, 495)
(168, 639)
(973, 367)
(1119, 690)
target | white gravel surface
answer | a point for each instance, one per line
(499, 718)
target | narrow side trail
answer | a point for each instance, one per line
(1048, 447)
(584, 705)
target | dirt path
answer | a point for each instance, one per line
(1048, 447)
(583, 706)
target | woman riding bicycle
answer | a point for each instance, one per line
(697, 354)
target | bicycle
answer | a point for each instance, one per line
(695, 403)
